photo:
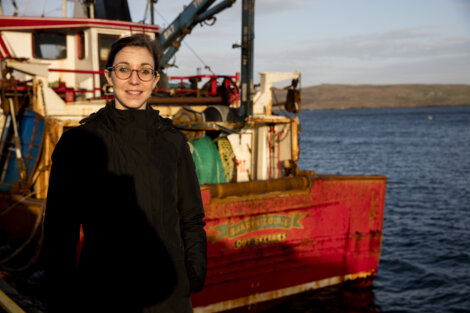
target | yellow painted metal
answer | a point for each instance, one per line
(9, 305)
(295, 140)
(259, 187)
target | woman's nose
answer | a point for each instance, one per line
(134, 79)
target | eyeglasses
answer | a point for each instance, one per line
(124, 72)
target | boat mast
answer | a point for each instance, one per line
(90, 8)
(152, 3)
(64, 8)
(247, 46)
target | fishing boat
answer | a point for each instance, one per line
(274, 230)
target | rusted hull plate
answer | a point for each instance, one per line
(261, 247)
(280, 293)
(265, 243)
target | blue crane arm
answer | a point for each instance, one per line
(183, 21)
(214, 10)
(197, 12)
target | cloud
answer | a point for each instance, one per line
(461, 4)
(279, 6)
(439, 70)
(392, 45)
(25, 8)
(399, 56)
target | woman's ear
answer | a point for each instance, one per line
(107, 74)
(157, 78)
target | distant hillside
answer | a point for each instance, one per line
(383, 96)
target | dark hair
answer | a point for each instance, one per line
(137, 40)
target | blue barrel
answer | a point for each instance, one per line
(31, 133)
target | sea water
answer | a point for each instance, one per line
(425, 153)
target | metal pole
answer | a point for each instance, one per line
(92, 10)
(19, 157)
(90, 6)
(248, 35)
(152, 21)
(64, 8)
(8, 304)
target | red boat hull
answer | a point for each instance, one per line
(272, 239)
(265, 243)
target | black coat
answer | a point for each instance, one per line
(129, 179)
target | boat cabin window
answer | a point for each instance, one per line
(105, 41)
(50, 46)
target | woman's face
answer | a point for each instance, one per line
(131, 93)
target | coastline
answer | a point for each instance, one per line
(341, 97)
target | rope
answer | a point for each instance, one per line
(25, 8)
(37, 224)
(207, 67)
(163, 18)
(16, 203)
(44, 9)
(145, 13)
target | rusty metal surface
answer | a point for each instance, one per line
(185, 100)
(265, 241)
(295, 140)
(208, 125)
(271, 119)
(351, 177)
(259, 187)
(365, 277)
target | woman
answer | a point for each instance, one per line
(126, 176)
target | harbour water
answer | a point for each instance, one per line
(425, 153)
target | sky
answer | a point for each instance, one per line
(329, 41)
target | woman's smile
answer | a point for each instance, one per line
(134, 92)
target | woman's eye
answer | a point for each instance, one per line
(123, 69)
(146, 71)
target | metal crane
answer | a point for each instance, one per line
(197, 12)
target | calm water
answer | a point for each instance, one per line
(425, 153)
